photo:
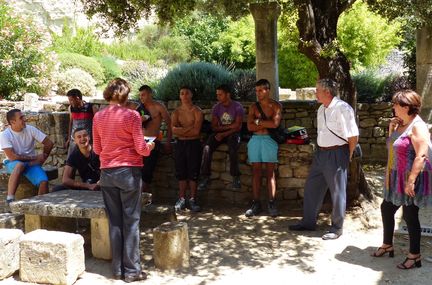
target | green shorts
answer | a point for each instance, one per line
(262, 148)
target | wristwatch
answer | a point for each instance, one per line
(257, 121)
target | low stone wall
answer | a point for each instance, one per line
(294, 161)
(294, 164)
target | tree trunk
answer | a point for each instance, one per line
(317, 26)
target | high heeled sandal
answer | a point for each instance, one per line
(417, 263)
(384, 250)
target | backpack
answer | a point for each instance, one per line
(297, 135)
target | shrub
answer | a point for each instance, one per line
(140, 72)
(88, 64)
(110, 67)
(371, 86)
(76, 78)
(244, 84)
(25, 63)
(132, 50)
(203, 77)
(396, 83)
(84, 41)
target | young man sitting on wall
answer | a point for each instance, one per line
(18, 144)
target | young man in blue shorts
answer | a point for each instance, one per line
(18, 144)
(262, 149)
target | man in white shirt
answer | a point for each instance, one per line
(18, 144)
(337, 138)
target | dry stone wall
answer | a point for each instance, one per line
(294, 161)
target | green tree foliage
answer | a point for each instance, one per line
(295, 69)
(122, 15)
(25, 63)
(414, 14)
(365, 37)
(219, 39)
(77, 40)
(202, 31)
(238, 43)
(203, 77)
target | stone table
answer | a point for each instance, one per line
(69, 204)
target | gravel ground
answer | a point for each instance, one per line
(227, 248)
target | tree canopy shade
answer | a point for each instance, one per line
(122, 15)
(417, 12)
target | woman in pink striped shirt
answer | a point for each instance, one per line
(119, 141)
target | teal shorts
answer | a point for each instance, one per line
(34, 173)
(262, 148)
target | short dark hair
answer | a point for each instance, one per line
(328, 84)
(188, 88)
(117, 90)
(225, 88)
(263, 82)
(10, 115)
(408, 98)
(74, 93)
(78, 130)
(146, 88)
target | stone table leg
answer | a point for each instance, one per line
(25, 190)
(100, 241)
(32, 222)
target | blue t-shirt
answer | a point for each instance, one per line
(227, 114)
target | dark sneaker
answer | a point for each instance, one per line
(180, 204)
(236, 184)
(272, 210)
(204, 183)
(193, 206)
(133, 278)
(254, 210)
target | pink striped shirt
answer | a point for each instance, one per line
(118, 138)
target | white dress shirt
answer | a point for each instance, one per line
(340, 119)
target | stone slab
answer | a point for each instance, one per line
(9, 251)
(51, 257)
(67, 203)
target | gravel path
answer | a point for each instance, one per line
(227, 248)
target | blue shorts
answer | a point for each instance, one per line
(262, 148)
(34, 173)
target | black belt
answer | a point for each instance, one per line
(332, 147)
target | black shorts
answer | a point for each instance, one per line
(187, 157)
(150, 163)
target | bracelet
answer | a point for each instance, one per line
(257, 121)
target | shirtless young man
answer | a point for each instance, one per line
(186, 126)
(262, 149)
(152, 114)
